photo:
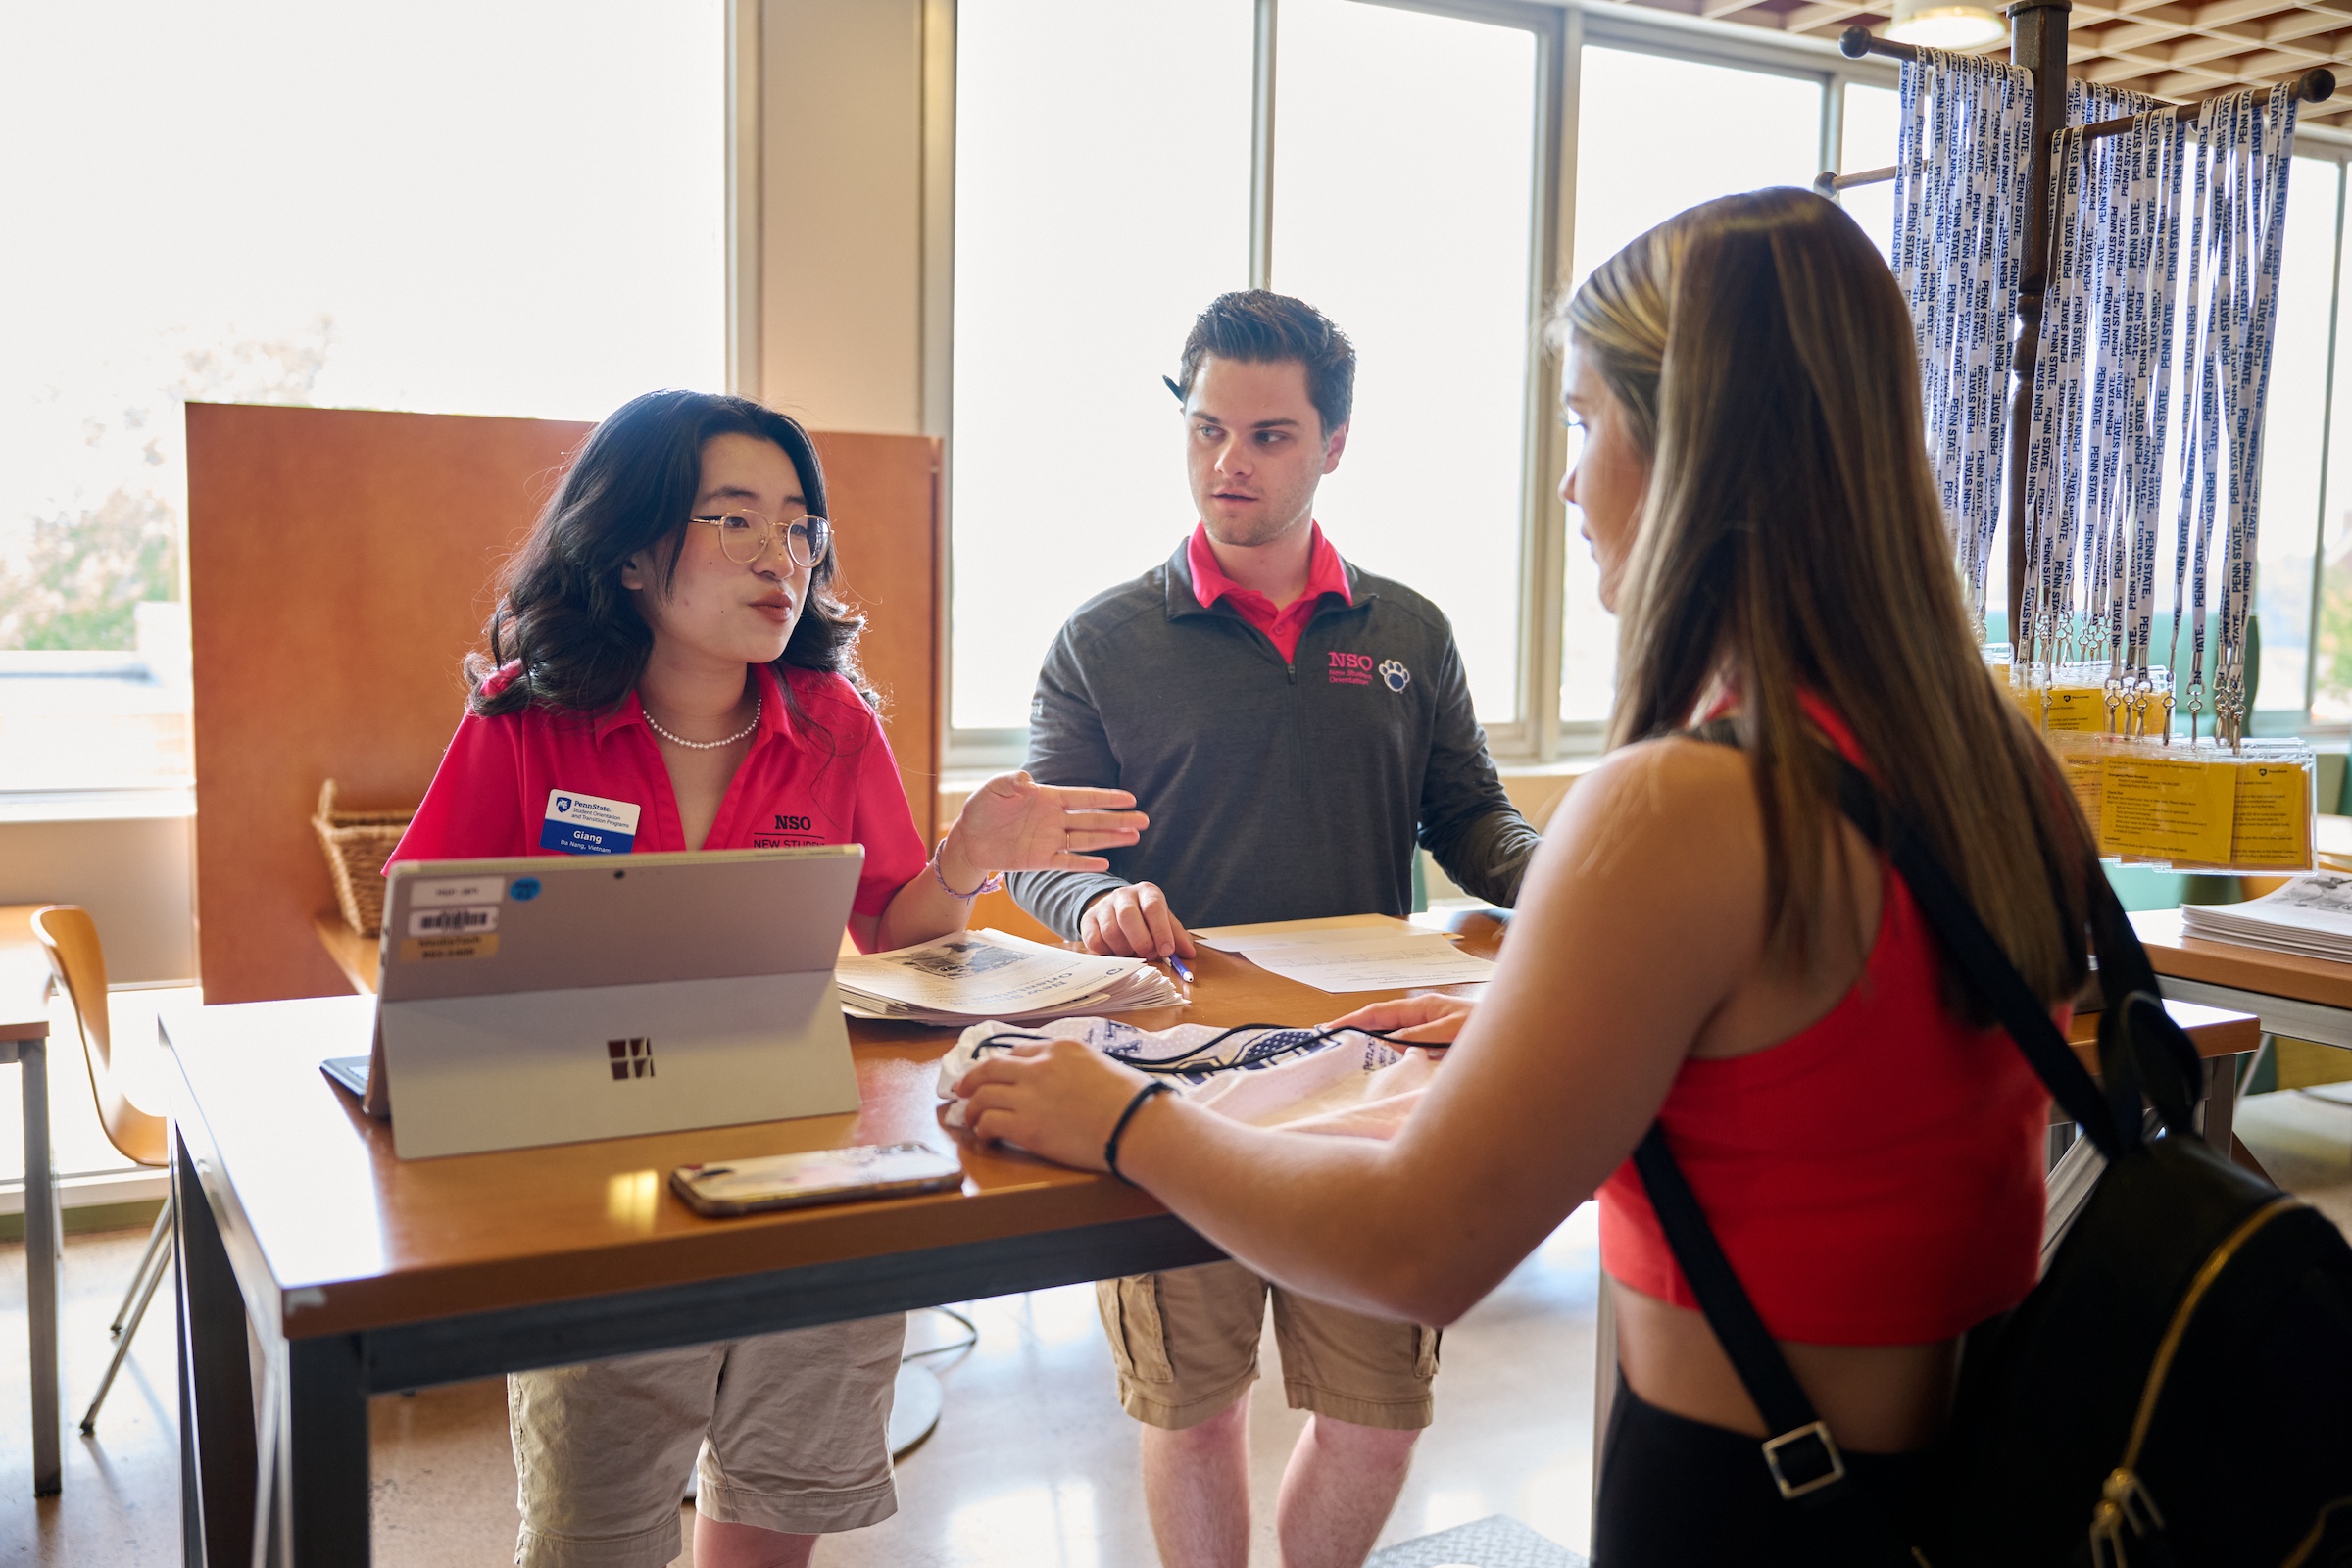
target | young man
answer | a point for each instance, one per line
(1293, 725)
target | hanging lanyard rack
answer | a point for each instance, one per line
(2082, 542)
(2037, 45)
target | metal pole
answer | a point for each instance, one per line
(2037, 42)
(1262, 146)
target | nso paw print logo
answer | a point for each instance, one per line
(1395, 675)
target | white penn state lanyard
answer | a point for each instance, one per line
(2257, 230)
(2156, 148)
(1964, 140)
(2245, 146)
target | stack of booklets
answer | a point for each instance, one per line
(2311, 917)
(974, 975)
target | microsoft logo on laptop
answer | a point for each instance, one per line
(630, 1059)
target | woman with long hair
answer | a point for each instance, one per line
(667, 648)
(1703, 941)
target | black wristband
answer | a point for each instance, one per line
(1110, 1144)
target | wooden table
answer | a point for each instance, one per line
(25, 1040)
(2305, 998)
(359, 1273)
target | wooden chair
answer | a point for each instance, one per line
(71, 939)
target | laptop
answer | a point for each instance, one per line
(549, 1000)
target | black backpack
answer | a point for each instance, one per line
(2178, 1390)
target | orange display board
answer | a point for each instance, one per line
(340, 563)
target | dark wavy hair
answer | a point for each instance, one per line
(564, 616)
(1258, 326)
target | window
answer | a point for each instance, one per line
(1871, 126)
(1102, 199)
(514, 209)
(1412, 159)
(2294, 453)
(1729, 131)
(1404, 210)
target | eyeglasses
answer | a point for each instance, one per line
(745, 536)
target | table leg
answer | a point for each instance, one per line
(2220, 1103)
(325, 1437)
(216, 1385)
(44, 1244)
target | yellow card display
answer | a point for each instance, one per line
(2272, 823)
(2085, 772)
(2165, 808)
(2074, 711)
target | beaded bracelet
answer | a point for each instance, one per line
(994, 882)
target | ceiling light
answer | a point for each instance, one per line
(1946, 24)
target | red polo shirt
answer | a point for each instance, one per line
(1326, 573)
(502, 780)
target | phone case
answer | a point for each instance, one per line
(817, 1176)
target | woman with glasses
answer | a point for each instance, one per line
(666, 647)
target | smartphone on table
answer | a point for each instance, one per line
(815, 1176)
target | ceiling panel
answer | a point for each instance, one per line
(2172, 50)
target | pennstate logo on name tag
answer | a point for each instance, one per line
(587, 824)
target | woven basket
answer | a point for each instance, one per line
(355, 845)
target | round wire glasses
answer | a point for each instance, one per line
(745, 536)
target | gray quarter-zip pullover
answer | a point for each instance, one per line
(1277, 790)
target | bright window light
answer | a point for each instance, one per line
(445, 206)
(1102, 200)
(1727, 130)
(1404, 210)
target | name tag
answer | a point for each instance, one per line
(587, 824)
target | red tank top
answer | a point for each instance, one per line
(1876, 1178)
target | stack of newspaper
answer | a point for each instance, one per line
(974, 975)
(2312, 915)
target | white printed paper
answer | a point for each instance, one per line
(2311, 916)
(1390, 955)
(984, 974)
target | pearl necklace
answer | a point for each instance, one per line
(706, 745)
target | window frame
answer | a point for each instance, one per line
(1535, 735)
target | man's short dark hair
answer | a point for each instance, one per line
(1259, 327)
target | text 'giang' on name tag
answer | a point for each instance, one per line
(587, 824)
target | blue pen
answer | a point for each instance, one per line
(1177, 965)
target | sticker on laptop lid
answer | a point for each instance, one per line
(433, 892)
(587, 824)
(433, 949)
(455, 920)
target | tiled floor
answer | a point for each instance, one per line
(1031, 1465)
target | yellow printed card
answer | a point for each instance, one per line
(2167, 808)
(2272, 821)
(2074, 711)
(2085, 769)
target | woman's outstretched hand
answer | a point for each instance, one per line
(1425, 1020)
(1055, 1097)
(1013, 823)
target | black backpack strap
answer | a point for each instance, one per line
(1986, 969)
(1804, 1457)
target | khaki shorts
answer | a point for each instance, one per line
(1186, 1345)
(792, 1430)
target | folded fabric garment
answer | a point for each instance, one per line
(1345, 1081)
